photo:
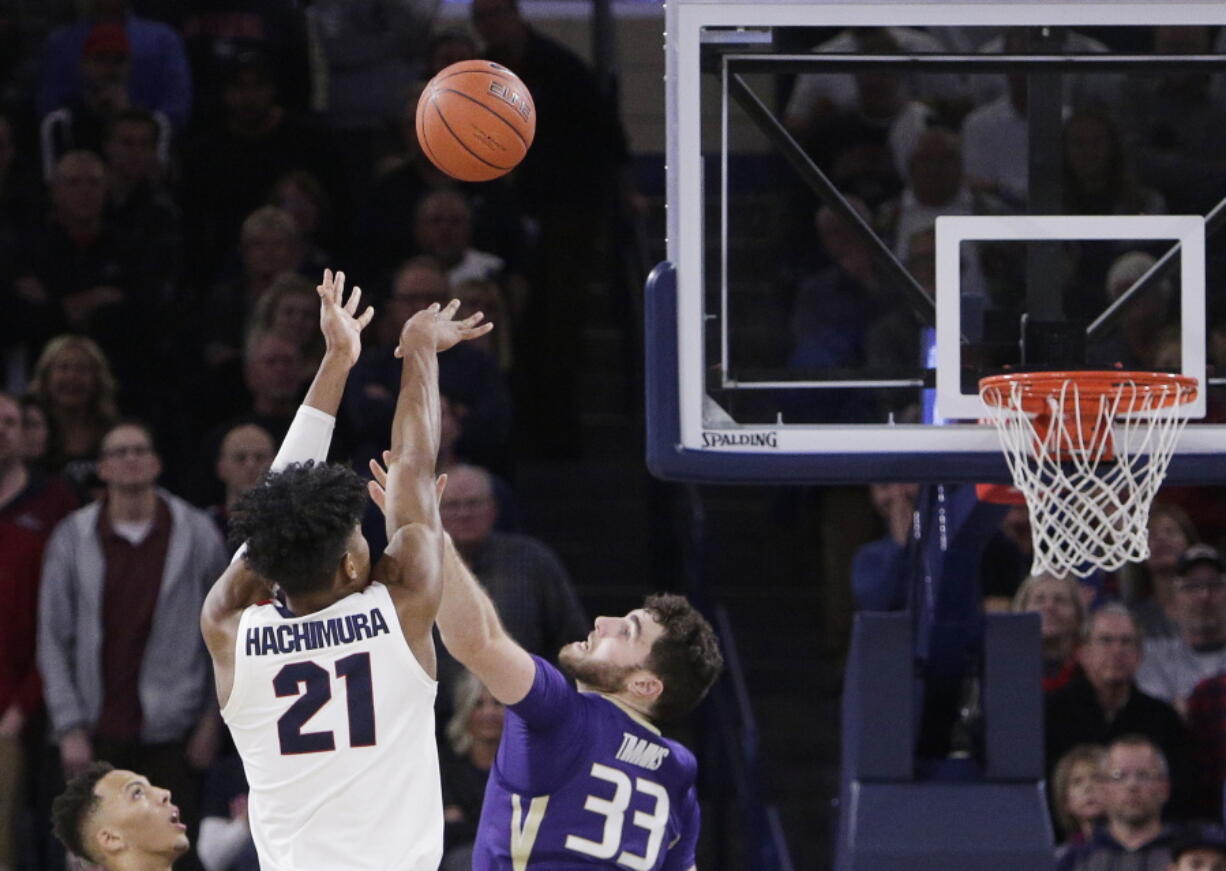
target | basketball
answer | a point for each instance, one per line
(475, 120)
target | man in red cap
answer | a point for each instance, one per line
(159, 78)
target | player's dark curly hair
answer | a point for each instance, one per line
(297, 522)
(686, 657)
(75, 805)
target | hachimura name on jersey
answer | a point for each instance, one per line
(314, 634)
(580, 781)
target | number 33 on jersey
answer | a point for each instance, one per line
(580, 781)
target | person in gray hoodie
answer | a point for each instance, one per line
(125, 673)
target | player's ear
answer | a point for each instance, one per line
(645, 686)
(349, 568)
(106, 842)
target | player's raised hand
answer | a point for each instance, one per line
(440, 326)
(338, 318)
(377, 487)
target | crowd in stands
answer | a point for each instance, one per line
(174, 177)
(1133, 677)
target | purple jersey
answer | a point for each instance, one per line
(581, 782)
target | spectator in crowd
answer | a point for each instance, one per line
(1136, 787)
(487, 296)
(1176, 124)
(442, 229)
(1102, 703)
(1137, 341)
(1172, 667)
(473, 733)
(217, 32)
(1207, 722)
(141, 209)
(936, 186)
(81, 124)
(1200, 847)
(574, 181)
(368, 53)
(118, 820)
(1007, 559)
(35, 432)
(1149, 587)
(125, 673)
(866, 146)
(1058, 602)
(160, 79)
(470, 378)
(30, 505)
(996, 139)
(274, 379)
(225, 842)
(300, 195)
(74, 386)
(877, 568)
(1076, 795)
(80, 275)
(529, 585)
(1099, 178)
(245, 456)
(21, 207)
(270, 245)
(229, 170)
(816, 96)
(289, 309)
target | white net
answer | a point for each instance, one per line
(1089, 466)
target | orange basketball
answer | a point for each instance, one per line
(475, 120)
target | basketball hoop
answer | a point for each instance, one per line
(1088, 450)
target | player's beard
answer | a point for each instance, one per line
(603, 677)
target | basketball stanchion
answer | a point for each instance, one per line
(1088, 451)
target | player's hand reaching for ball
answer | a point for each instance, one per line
(338, 318)
(438, 326)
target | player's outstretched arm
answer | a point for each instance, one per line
(308, 438)
(413, 559)
(472, 632)
(467, 619)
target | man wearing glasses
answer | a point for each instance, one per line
(125, 672)
(1135, 787)
(1172, 667)
(1102, 703)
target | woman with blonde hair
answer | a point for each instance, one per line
(1061, 610)
(473, 733)
(74, 385)
(1075, 793)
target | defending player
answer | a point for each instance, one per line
(330, 695)
(584, 778)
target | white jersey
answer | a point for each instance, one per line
(334, 719)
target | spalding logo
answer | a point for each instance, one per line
(512, 99)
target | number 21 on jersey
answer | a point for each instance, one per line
(524, 827)
(312, 684)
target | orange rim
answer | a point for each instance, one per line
(1038, 387)
(1082, 408)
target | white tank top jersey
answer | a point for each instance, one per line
(334, 719)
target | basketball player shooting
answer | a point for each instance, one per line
(584, 778)
(329, 694)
